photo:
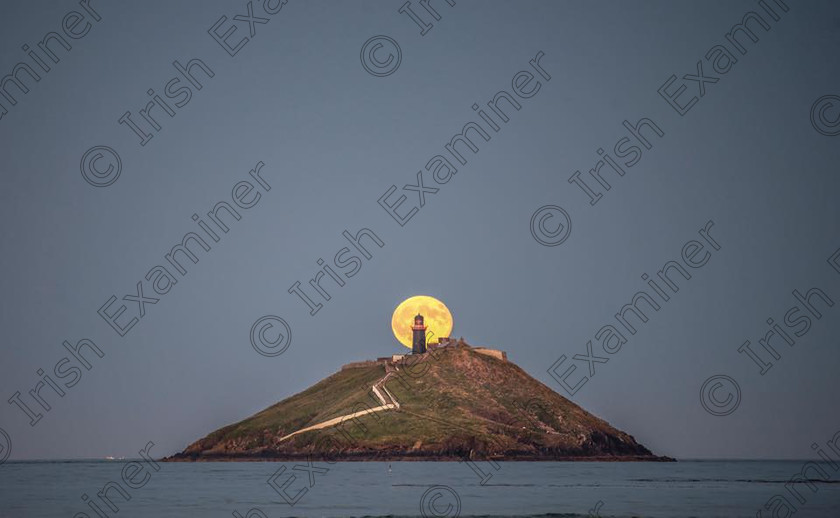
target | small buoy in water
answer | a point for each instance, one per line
(389, 468)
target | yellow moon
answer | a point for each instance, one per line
(436, 316)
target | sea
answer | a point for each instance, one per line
(688, 488)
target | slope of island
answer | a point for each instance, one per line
(450, 403)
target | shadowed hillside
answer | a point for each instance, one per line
(450, 403)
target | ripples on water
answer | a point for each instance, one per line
(549, 489)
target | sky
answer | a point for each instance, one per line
(301, 121)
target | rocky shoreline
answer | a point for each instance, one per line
(407, 457)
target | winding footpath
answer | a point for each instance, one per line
(393, 405)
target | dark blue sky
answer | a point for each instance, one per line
(333, 138)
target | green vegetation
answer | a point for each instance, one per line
(454, 402)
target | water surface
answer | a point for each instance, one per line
(681, 489)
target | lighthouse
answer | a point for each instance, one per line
(418, 339)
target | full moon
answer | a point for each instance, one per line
(435, 314)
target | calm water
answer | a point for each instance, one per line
(683, 489)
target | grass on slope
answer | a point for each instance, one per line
(456, 400)
(329, 398)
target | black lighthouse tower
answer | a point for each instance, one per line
(418, 338)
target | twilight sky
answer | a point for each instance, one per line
(292, 132)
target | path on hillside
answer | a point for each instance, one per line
(393, 405)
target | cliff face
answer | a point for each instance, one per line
(447, 404)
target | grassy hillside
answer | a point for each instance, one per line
(331, 397)
(454, 403)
